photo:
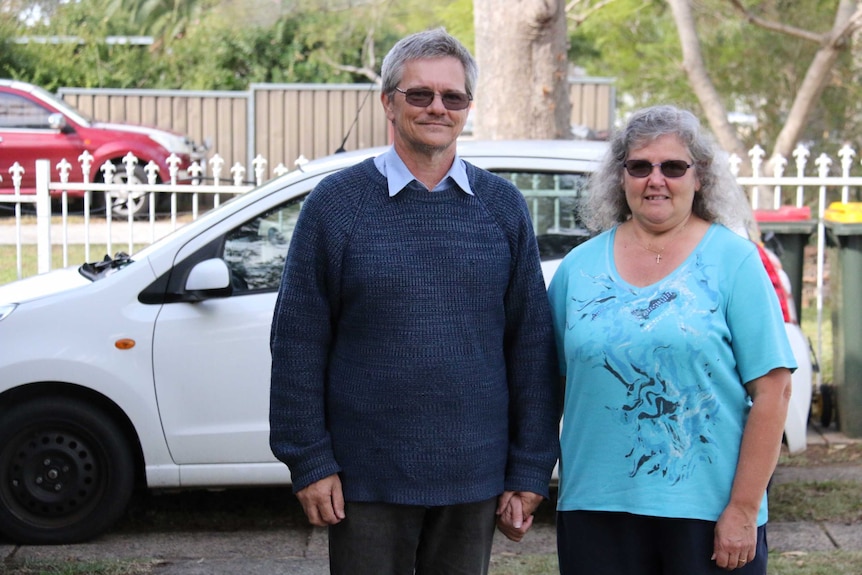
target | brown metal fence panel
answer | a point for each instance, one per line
(312, 120)
(593, 104)
(217, 117)
(282, 122)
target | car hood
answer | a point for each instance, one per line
(42, 285)
(144, 130)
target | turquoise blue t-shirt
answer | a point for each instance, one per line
(655, 402)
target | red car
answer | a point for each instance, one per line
(35, 124)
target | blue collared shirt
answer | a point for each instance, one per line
(398, 176)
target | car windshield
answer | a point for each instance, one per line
(554, 202)
(61, 105)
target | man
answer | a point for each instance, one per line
(414, 395)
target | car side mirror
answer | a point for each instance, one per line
(57, 121)
(209, 279)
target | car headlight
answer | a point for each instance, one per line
(173, 143)
(6, 309)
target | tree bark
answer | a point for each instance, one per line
(700, 81)
(847, 19)
(523, 89)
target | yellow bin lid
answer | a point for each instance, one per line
(851, 212)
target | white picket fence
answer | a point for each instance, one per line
(138, 231)
(832, 183)
(764, 191)
(816, 186)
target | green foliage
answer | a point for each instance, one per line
(457, 18)
(13, 62)
(227, 44)
(635, 41)
(212, 45)
(762, 70)
(755, 70)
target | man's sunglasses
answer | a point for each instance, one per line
(669, 169)
(422, 98)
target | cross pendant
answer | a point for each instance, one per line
(658, 258)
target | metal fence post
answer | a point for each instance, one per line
(43, 216)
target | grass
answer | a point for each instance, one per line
(75, 256)
(808, 322)
(524, 565)
(75, 252)
(819, 455)
(273, 508)
(833, 563)
(833, 501)
(113, 567)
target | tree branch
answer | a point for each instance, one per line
(777, 26)
(368, 69)
(588, 10)
(854, 23)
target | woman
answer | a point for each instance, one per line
(676, 363)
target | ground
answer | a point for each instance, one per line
(822, 455)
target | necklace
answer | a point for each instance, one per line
(658, 253)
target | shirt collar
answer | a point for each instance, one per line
(398, 176)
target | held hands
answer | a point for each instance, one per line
(515, 513)
(323, 501)
(735, 538)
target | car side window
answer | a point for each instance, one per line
(255, 251)
(554, 203)
(19, 113)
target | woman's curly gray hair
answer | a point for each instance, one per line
(720, 199)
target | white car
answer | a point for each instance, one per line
(153, 370)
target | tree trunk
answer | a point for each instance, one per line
(698, 77)
(523, 89)
(816, 77)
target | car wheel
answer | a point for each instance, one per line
(66, 473)
(126, 200)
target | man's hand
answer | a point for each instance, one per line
(323, 501)
(515, 513)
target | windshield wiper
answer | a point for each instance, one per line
(108, 265)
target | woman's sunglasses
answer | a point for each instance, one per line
(422, 98)
(669, 169)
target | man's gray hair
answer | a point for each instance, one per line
(435, 43)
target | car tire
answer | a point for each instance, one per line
(122, 202)
(66, 471)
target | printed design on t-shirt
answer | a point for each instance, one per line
(669, 419)
(654, 304)
(651, 342)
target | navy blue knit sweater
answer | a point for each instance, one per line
(412, 349)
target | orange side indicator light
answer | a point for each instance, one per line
(124, 343)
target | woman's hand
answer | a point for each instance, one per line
(735, 538)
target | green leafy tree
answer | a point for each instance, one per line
(756, 54)
(164, 20)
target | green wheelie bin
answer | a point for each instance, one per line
(791, 227)
(843, 222)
